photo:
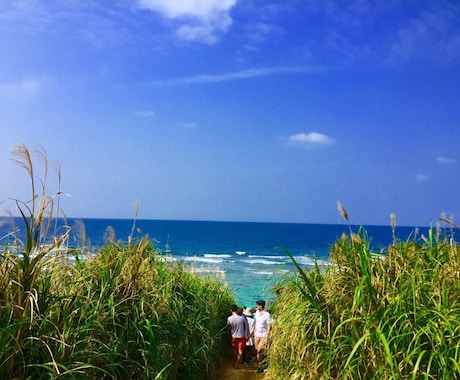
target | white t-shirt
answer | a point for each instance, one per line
(251, 323)
(263, 319)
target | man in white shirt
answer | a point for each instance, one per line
(261, 329)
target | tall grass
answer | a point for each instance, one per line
(122, 313)
(26, 267)
(368, 316)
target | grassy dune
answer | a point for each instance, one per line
(122, 313)
(369, 316)
(127, 313)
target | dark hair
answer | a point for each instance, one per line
(233, 308)
(260, 302)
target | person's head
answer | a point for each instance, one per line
(247, 312)
(260, 304)
(233, 308)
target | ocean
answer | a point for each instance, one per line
(247, 256)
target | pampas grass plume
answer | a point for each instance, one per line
(342, 211)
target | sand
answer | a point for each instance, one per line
(226, 371)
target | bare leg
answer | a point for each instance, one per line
(238, 358)
(260, 347)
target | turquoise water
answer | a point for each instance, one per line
(249, 257)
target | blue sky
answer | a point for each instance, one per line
(236, 110)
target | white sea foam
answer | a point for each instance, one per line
(167, 258)
(262, 261)
(305, 260)
(213, 255)
(269, 257)
(302, 260)
(207, 270)
(203, 260)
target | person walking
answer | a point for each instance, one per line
(248, 352)
(261, 330)
(238, 324)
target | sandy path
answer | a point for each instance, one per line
(227, 372)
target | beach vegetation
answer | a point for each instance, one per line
(123, 312)
(391, 315)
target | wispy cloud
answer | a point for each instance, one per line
(310, 139)
(87, 21)
(144, 113)
(27, 16)
(23, 88)
(432, 33)
(446, 160)
(188, 125)
(201, 20)
(422, 178)
(377, 33)
(261, 33)
(233, 75)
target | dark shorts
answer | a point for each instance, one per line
(239, 343)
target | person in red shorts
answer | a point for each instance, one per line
(238, 324)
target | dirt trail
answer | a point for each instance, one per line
(226, 371)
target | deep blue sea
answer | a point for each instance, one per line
(249, 257)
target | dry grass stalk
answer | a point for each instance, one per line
(342, 211)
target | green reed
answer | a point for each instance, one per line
(122, 313)
(370, 316)
(139, 317)
(26, 267)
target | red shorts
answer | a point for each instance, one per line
(239, 343)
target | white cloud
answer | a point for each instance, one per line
(203, 9)
(311, 138)
(446, 160)
(22, 88)
(202, 18)
(202, 33)
(144, 113)
(432, 33)
(234, 75)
